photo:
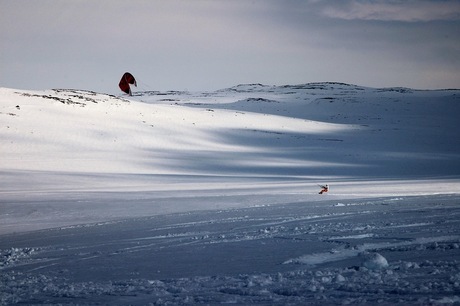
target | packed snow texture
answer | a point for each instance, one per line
(169, 198)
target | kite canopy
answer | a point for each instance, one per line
(127, 79)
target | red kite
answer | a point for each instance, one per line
(127, 79)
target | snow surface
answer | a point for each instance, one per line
(208, 198)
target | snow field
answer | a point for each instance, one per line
(211, 198)
(369, 252)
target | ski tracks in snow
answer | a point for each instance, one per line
(388, 250)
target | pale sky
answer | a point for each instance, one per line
(214, 44)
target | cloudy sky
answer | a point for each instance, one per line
(213, 44)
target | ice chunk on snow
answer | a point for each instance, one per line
(339, 278)
(374, 261)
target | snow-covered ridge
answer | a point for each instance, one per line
(256, 118)
(329, 130)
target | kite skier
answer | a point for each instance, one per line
(324, 188)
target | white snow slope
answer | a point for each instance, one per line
(170, 198)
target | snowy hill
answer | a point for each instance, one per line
(224, 186)
(389, 132)
(323, 129)
(245, 139)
